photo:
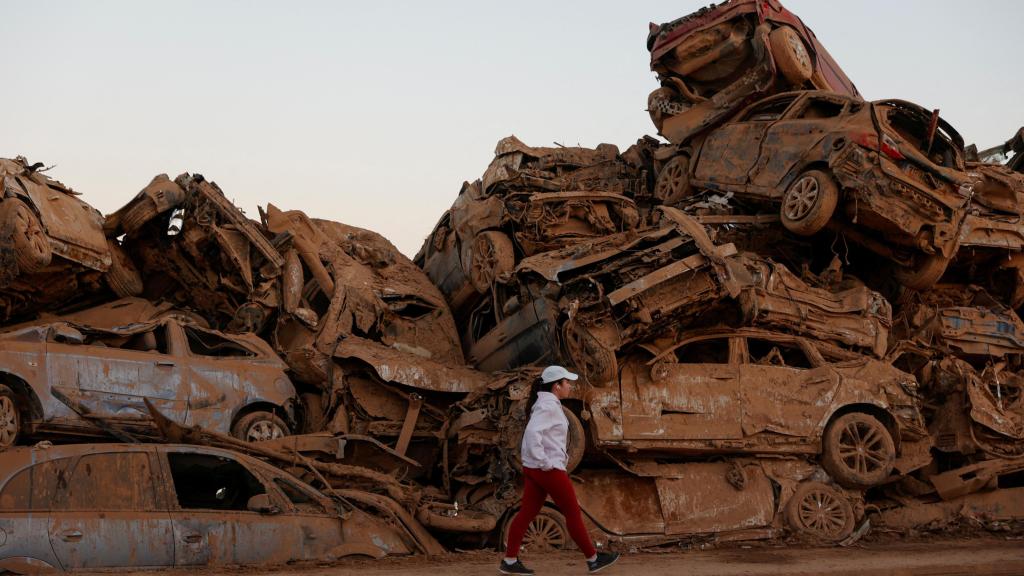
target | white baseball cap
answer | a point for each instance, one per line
(556, 373)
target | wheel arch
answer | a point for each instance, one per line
(28, 399)
(263, 406)
(874, 410)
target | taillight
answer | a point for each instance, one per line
(890, 149)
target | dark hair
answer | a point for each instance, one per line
(538, 386)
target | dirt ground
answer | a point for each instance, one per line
(946, 557)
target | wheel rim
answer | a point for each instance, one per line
(484, 260)
(27, 226)
(822, 513)
(8, 421)
(801, 198)
(862, 448)
(544, 533)
(799, 51)
(264, 430)
(671, 181)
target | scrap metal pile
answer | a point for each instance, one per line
(795, 316)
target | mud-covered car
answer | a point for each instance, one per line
(57, 376)
(52, 246)
(96, 506)
(889, 174)
(758, 391)
(583, 304)
(718, 59)
(529, 200)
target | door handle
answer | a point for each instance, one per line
(71, 535)
(193, 538)
(164, 363)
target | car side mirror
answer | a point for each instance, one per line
(261, 503)
(66, 334)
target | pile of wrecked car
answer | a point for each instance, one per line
(795, 317)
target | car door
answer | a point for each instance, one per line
(730, 152)
(111, 374)
(794, 138)
(26, 500)
(786, 386)
(210, 515)
(109, 514)
(692, 393)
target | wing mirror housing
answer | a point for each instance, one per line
(261, 503)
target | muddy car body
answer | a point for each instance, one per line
(54, 249)
(751, 390)
(530, 200)
(875, 170)
(57, 375)
(584, 304)
(94, 506)
(714, 61)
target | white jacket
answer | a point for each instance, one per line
(546, 434)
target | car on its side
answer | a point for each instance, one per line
(715, 61)
(889, 173)
(97, 506)
(54, 374)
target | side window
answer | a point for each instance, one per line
(772, 353)
(818, 108)
(296, 495)
(768, 111)
(118, 481)
(714, 351)
(209, 482)
(154, 340)
(205, 343)
(36, 487)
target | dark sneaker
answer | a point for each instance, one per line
(603, 560)
(515, 568)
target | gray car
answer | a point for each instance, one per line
(93, 506)
(51, 374)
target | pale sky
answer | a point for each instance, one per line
(373, 114)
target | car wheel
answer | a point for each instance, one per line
(546, 532)
(858, 450)
(31, 246)
(809, 202)
(122, 276)
(820, 511)
(493, 256)
(791, 57)
(923, 273)
(259, 426)
(10, 418)
(673, 182)
(138, 214)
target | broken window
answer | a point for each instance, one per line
(302, 500)
(205, 481)
(205, 343)
(35, 488)
(154, 340)
(774, 353)
(117, 481)
(912, 126)
(816, 108)
(715, 351)
(768, 111)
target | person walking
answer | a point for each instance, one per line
(544, 460)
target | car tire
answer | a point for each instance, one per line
(32, 250)
(858, 451)
(673, 182)
(136, 216)
(792, 59)
(259, 426)
(924, 273)
(547, 532)
(808, 203)
(492, 256)
(122, 276)
(820, 512)
(10, 418)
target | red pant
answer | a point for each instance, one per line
(537, 485)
